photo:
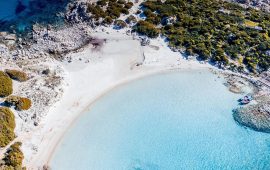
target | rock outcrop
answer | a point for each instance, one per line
(255, 116)
(258, 4)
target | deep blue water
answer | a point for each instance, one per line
(179, 120)
(19, 15)
(10, 9)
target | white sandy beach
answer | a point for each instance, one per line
(77, 79)
(90, 75)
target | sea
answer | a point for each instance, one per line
(168, 121)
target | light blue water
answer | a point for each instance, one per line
(172, 121)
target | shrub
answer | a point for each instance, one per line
(17, 75)
(23, 104)
(107, 20)
(146, 28)
(102, 2)
(131, 19)
(114, 12)
(128, 5)
(121, 1)
(120, 24)
(20, 103)
(96, 11)
(14, 156)
(124, 11)
(5, 85)
(7, 125)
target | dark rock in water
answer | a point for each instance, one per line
(20, 8)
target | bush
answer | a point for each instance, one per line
(124, 11)
(131, 19)
(102, 2)
(20, 103)
(5, 85)
(120, 24)
(14, 156)
(146, 28)
(7, 125)
(200, 28)
(114, 13)
(107, 20)
(96, 11)
(128, 5)
(121, 1)
(17, 75)
(23, 104)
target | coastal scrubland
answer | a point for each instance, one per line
(221, 32)
(5, 85)
(20, 103)
(7, 124)
(17, 75)
(218, 31)
(109, 10)
(13, 157)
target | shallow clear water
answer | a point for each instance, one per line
(180, 120)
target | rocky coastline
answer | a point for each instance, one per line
(256, 114)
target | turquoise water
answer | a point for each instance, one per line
(179, 120)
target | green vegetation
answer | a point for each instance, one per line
(131, 19)
(17, 75)
(120, 24)
(108, 10)
(217, 31)
(7, 125)
(146, 28)
(20, 103)
(13, 158)
(5, 85)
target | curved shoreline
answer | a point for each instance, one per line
(117, 85)
(95, 135)
(101, 76)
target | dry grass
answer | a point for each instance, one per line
(249, 23)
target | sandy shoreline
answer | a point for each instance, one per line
(80, 72)
(91, 75)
